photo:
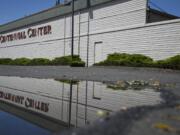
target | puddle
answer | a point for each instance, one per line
(66, 103)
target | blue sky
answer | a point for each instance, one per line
(170, 6)
(14, 9)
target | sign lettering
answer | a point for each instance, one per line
(30, 33)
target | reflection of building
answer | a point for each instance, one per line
(101, 27)
(87, 98)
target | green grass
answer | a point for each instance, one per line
(115, 59)
(20, 61)
(74, 61)
(138, 60)
(170, 63)
(65, 60)
(39, 61)
(5, 61)
(78, 64)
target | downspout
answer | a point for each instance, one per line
(64, 35)
(147, 11)
(79, 38)
(89, 8)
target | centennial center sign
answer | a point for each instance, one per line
(30, 33)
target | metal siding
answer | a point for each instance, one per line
(39, 50)
(157, 41)
(83, 48)
(137, 17)
(118, 7)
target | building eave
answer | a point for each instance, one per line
(170, 16)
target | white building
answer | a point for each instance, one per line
(101, 27)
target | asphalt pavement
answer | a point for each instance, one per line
(92, 73)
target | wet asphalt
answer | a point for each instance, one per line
(92, 73)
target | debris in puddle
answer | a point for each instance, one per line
(124, 108)
(120, 85)
(155, 84)
(172, 117)
(164, 127)
(134, 85)
(177, 107)
(138, 85)
(74, 133)
(170, 85)
(102, 114)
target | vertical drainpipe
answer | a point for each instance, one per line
(79, 40)
(147, 12)
(72, 40)
(64, 35)
(89, 8)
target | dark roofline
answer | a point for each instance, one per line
(170, 16)
(50, 13)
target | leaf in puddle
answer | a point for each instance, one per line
(164, 127)
(102, 113)
(178, 132)
(124, 108)
(177, 107)
(137, 85)
(156, 84)
(119, 85)
(170, 85)
(173, 117)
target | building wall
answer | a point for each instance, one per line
(157, 40)
(111, 15)
(119, 26)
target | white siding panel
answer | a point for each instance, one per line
(118, 20)
(118, 7)
(68, 47)
(157, 41)
(84, 28)
(83, 48)
(40, 50)
(84, 16)
(68, 26)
